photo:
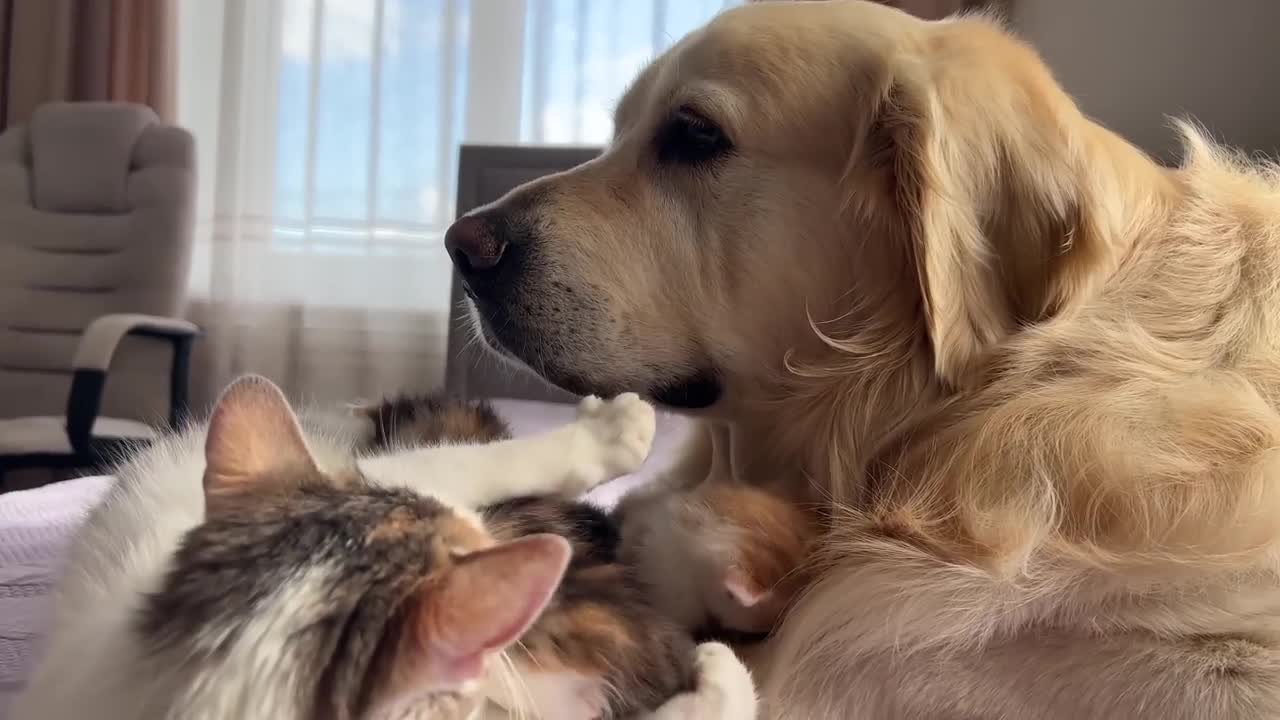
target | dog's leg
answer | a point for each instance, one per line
(897, 632)
(1053, 676)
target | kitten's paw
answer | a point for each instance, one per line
(619, 435)
(719, 665)
(725, 690)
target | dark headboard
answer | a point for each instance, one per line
(485, 174)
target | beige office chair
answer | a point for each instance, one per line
(96, 208)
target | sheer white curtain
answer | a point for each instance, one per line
(328, 134)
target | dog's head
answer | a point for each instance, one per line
(793, 176)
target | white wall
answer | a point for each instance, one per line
(1131, 63)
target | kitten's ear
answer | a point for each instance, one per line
(743, 588)
(486, 602)
(253, 437)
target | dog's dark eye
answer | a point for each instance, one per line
(691, 138)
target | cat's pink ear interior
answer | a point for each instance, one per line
(254, 437)
(743, 588)
(487, 601)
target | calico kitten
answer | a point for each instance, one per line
(718, 559)
(723, 558)
(293, 583)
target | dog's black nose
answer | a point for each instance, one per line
(474, 245)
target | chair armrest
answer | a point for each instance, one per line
(93, 358)
(103, 336)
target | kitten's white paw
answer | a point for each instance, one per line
(618, 436)
(725, 690)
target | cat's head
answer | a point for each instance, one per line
(316, 587)
(724, 559)
(754, 546)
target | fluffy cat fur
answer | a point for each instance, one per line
(301, 581)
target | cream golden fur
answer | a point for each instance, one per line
(1033, 376)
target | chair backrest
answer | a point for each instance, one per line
(485, 174)
(96, 212)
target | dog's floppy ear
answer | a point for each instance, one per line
(962, 306)
(990, 210)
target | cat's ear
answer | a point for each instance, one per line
(486, 602)
(743, 588)
(253, 438)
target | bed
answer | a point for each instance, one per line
(37, 525)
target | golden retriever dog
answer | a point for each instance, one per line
(1031, 376)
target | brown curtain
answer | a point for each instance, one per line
(119, 50)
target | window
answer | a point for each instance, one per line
(328, 130)
(372, 100)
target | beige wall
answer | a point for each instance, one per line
(1131, 63)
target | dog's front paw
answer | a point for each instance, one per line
(617, 435)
